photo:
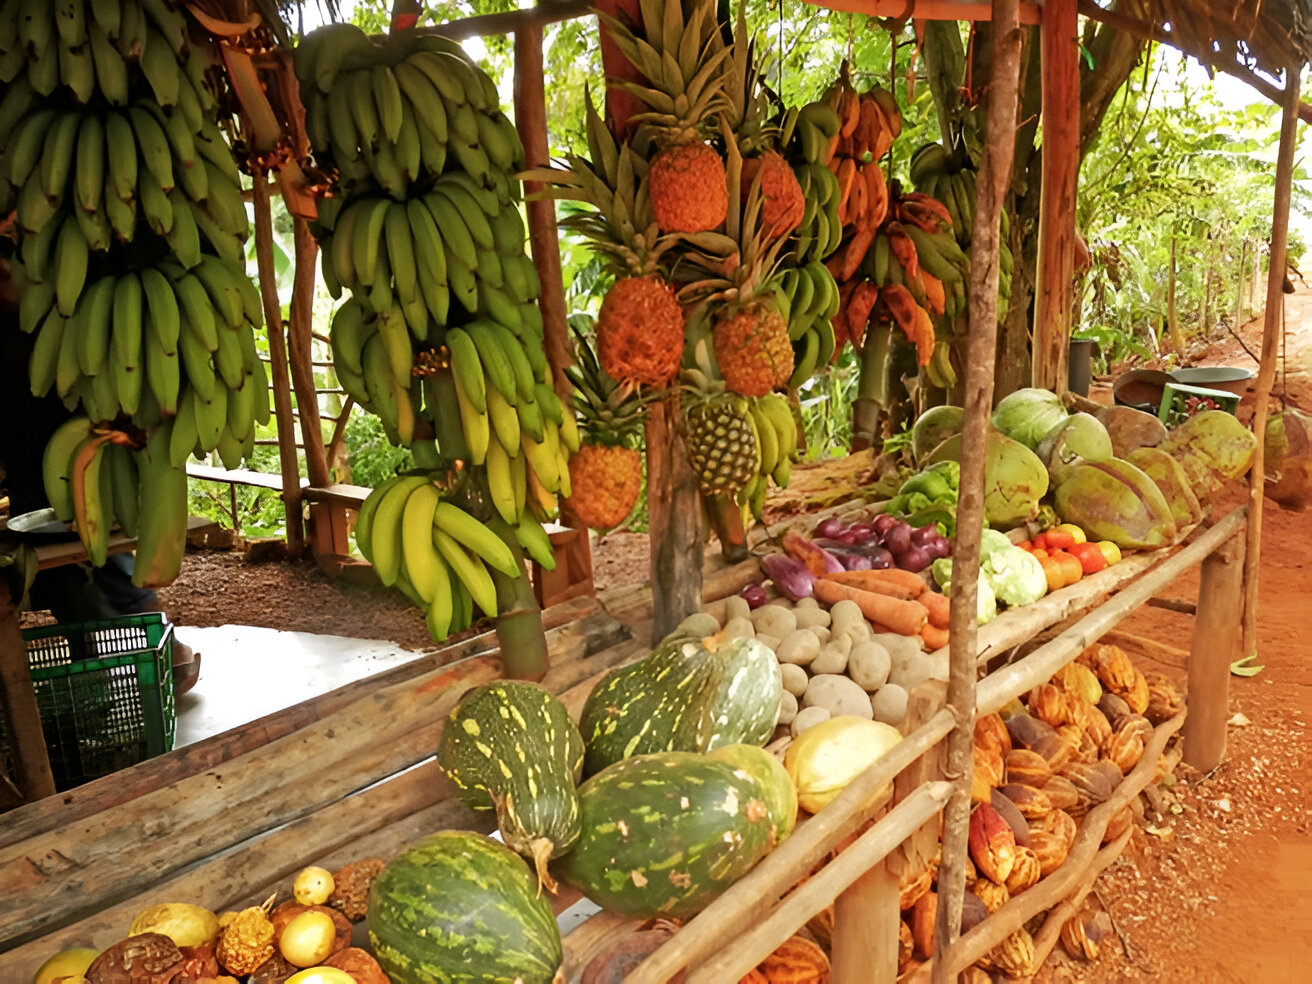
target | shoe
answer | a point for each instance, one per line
(186, 669)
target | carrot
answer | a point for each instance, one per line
(903, 617)
(894, 582)
(938, 606)
(933, 637)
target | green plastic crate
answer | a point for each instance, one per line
(105, 693)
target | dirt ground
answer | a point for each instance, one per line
(1211, 891)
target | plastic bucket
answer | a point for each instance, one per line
(1080, 369)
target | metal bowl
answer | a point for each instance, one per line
(1232, 379)
(1141, 389)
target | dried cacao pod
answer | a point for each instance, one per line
(754, 976)
(147, 958)
(275, 970)
(1061, 792)
(1032, 803)
(1118, 825)
(1113, 707)
(1126, 745)
(923, 916)
(1020, 827)
(350, 895)
(988, 767)
(1164, 698)
(1050, 849)
(1112, 664)
(992, 843)
(911, 888)
(973, 912)
(1072, 735)
(1136, 693)
(1076, 941)
(1089, 749)
(991, 894)
(796, 961)
(199, 962)
(1078, 680)
(618, 959)
(974, 975)
(1027, 731)
(1048, 704)
(906, 946)
(1091, 781)
(1056, 751)
(1026, 767)
(289, 910)
(1061, 823)
(991, 734)
(246, 942)
(360, 964)
(1013, 957)
(1025, 872)
(1096, 726)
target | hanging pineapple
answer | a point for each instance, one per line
(684, 93)
(606, 471)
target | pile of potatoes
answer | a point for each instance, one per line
(833, 662)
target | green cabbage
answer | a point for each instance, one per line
(986, 602)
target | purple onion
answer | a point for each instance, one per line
(880, 559)
(883, 521)
(939, 547)
(828, 528)
(898, 538)
(754, 595)
(922, 536)
(789, 575)
(915, 559)
(865, 535)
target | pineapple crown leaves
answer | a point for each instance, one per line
(609, 412)
(748, 104)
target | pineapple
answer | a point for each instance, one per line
(782, 202)
(721, 443)
(682, 61)
(753, 351)
(641, 323)
(606, 471)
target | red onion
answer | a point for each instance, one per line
(883, 521)
(754, 595)
(915, 559)
(898, 538)
(829, 528)
(880, 559)
(922, 535)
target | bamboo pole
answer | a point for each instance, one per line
(282, 397)
(1060, 112)
(300, 355)
(818, 891)
(1271, 331)
(994, 177)
(751, 898)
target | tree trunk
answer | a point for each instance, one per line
(1172, 321)
(1205, 314)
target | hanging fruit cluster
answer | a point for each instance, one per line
(441, 336)
(130, 224)
(713, 210)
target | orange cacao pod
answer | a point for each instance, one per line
(1025, 872)
(796, 961)
(1027, 768)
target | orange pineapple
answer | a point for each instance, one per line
(753, 351)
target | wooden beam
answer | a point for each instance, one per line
(1060, 114)
(18, 707)
(511, 21)
(927, 10)
(1272, 329)
(1215, 646)
(282, 396)
(994, 179)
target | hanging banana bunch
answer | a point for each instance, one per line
(130, 262)
(441, 333)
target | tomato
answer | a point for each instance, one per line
(1059, 538)
(1070, 566)
(1026, 545)
(1040, 542)
(1040, 553)
(1074, 531)
(1053, 573)
(1111, 551)
(1090, 557)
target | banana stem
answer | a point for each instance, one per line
(519, 629)
(727, 521)
(872, 389)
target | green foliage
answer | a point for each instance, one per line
(260, 512)
(372, 457)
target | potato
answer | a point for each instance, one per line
(858, 633)
(769, 641)
(739, 628)
(807, 717)
(889, 704)
(787, 708)
(808, 617)
(735, 606)
(795, 678)
(909, 672)
(806, 605)
(833, 656)
(846, 614)
(799, 646)
(907, 647)
(774, 620)
(838, 695)
(868, 666)
(698, 625)
(822, 633)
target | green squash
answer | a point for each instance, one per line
(686, 696)
(666, 834)
(511, 746)
(771, 779)
(459, 907)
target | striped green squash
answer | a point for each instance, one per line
(666, 834)
(511, 746)
(686, 696)
(459, 908)
(771, 778)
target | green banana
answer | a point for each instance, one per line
(56, 461)
(162, 523)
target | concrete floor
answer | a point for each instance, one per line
(248, 672)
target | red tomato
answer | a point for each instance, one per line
(1040, 553)
(1090, 557)
(1059, 538)
(1071, 567)
(1040, 542)
(1026, 545)
(1053, 573)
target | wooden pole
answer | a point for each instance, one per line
(1060, 111)
(282, 396)
(994, 177)
(1215, 647)
(18, 707)
(674, 517)
(543, 235)
(1272, 323)
(300, 356)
